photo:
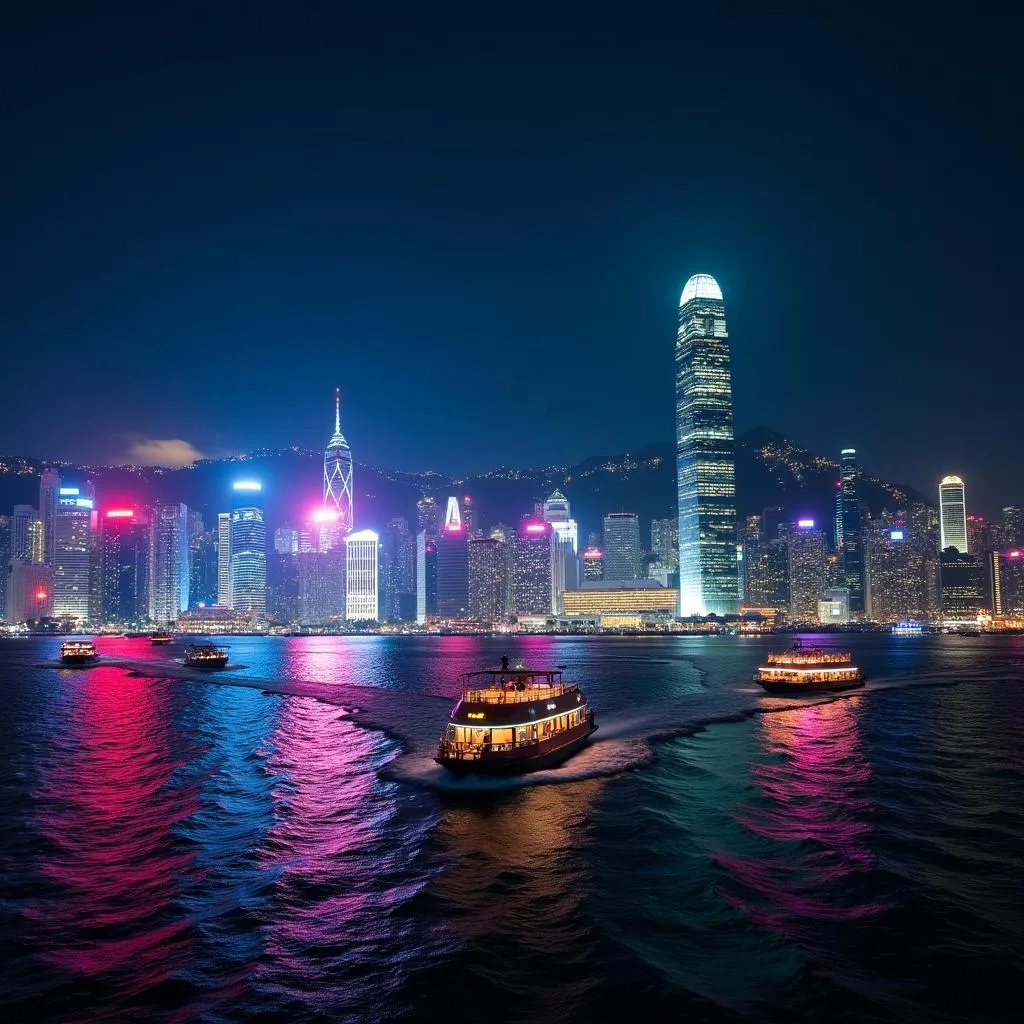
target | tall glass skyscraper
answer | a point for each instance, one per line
(848, 529)
(74, 522)
(953, 514)
(362, 583)
(338, 472)
(170, 569)
(622, 547)
(705, 456)
(248, 549)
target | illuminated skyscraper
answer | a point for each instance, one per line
(705, 457)
(488, 579)
(21, 532)
(29, 591)
(224, 559)
(5, 561)
(49, 484)
(962, 577)
(338, 472)
(593, 564)
(170, 569)
(361, 582)
(428, 517)
(248, 549)
(848, 530)
(806, 570)
(564, 560)
(953, 514)
(665, 543)
(125, 566)
(531, 568)
(622, 547)
(426, 577)
(452, 566)
(74, 519)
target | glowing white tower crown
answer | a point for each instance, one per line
(338, 471)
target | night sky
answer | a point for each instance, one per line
(477, 220)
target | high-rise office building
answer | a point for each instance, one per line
(531, 567)
(1013, 525)
(428, 517)
(767, 572)
(622, 547)
(953, 514)
(248, 549)
(593, 564)
(564, 559)
(961, 577)
(124, 557)
(49, 484)
(488, 579)
(224, 559)
(1006, 583)
(426, 577)
(849, 541)
(204, 568)
(74, 522)
(5, 562)
(806, 570)
(22, 532)
(286, 540)
(705, 457)
(29, 591)
(665, 543)
(898, 572)
(452, 566)
(361, 582)
(398, 572)
(338, 472)
(171, 563)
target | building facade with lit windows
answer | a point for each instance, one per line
(49, 485)
(806, 570)
(953, 514)
(338, 472)
(171, 577)
(625, 599)
(74, 521)
(849, 539)
(705, 453)
(124, 557)
(898, 573)
(622, 547)
(1006, 583)
(453, 566)
(564, 547)
(248, 549)
(29, 591)
(488, 579)
(962, 579)
(224, 559)
(361, 578)
(531, 568)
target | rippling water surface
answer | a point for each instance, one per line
(274, 841)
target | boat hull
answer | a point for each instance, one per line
(79, 660)
(161, 642)
(512, 762)
(211, 665)
(786, 686)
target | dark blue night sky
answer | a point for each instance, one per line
(478, 223)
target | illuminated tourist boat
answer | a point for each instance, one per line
(909, 628)
(514, 720)
(78, 652)
(809, 670)
(161, 639)
(205, 656)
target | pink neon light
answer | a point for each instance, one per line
(325, 515)
(120, 513)
(1015, 554)
(593, 553)
(40, 595)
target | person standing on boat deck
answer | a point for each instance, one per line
(504, 663)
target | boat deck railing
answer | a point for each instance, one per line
(809, 657)
(508, 694)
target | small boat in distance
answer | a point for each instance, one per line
(205, 656)
(809, 670)
(160, 639)
(514, 720)
(78, 652)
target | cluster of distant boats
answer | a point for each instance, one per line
(198, 655)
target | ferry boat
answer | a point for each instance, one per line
(205, 656)
(908, 628)
(514, 720)
(78, 652)
(161, 639)
(809, 670)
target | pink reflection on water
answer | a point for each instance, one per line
(814, 784)
(106, 818)
(330, 845)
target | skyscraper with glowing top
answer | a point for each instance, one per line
(338, 472)
(705, 457)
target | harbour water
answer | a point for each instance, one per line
(273, 842)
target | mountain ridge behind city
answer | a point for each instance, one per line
(770, 470)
